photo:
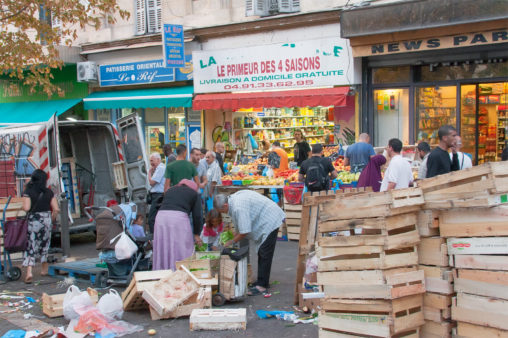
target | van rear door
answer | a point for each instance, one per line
(136, 164)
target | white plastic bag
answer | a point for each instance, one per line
(125, 247)
(75, 299)
(111, 305)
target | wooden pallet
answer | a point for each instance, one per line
(438, 279)
(436, 307)
(478, 246)
(482, 222)
(428, 223)
(479, 310)
(218, 319)
(52, 305)
(365, 257)
(85, 271)
(200, 300)
(468, 330)
(437, 330)
(372, 284)
(132, 297)
(373, 318)
(482, 282)
(432, 251)
(390, 232)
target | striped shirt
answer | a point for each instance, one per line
(255, 215)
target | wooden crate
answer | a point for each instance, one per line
(119, 179)
(201, 268)
(365, 258)
(132, 296)
(474, 187)
(468, 330)
(368, 205)
(390, 232)
(218, 319)
(293, 220)
(414, 333)
(164, 309)
(436, 330)
(372, 284)
(479, 310)
(479, 262)
(200, 300)
(438, 279)
(436, 307)
(52, 305)
(373, 318)
(478, 246)
(433, 251)
(427, 222)
(481, 222)
(482, 282)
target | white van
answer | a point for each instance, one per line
(91, 161)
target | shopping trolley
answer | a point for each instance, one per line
(7, 270)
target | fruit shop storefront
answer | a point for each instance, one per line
(268, 92)
(418, 76)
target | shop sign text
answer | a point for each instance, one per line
(463, 40)
(143, 72)
(173, 46)
(283, 66)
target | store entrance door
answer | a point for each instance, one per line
(484, 120)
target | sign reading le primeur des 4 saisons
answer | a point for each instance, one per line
(312, 63)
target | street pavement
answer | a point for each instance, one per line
(83, 246)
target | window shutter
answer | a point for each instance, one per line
(289, 6)
(154, 16)
(55, 22)
(256, 7)
(140, 17)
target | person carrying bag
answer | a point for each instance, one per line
(42, 207)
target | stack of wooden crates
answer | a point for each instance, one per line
(433, 260)
(472, 207)
(368, 265)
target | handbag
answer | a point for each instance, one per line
(16, 231)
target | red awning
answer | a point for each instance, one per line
(290, 98)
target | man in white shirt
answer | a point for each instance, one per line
(156, 180)
(398, 175)
(464, 160)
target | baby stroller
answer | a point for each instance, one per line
(110, 223)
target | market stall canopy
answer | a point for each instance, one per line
(34, 111)
(141, 98)
(290, 98)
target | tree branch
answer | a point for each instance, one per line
(14, 14)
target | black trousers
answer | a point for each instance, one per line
(265, 257)
(153, 210)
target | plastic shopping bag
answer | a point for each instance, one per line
(125, 247)
(74, 300)
(111, 305)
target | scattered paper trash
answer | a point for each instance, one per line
(264, 314)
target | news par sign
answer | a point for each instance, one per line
(312, 63)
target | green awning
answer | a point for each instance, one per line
(141, 98)
(34, 111)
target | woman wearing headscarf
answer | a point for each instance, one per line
(371, 174)
(38, 202)
(174, 237)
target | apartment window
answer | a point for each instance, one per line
(270, 7)
(148, 16)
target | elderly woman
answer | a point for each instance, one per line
(213, 175)
(174, 237)
(38, 202)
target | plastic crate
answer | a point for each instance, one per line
(227, 182)
(237, 182)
